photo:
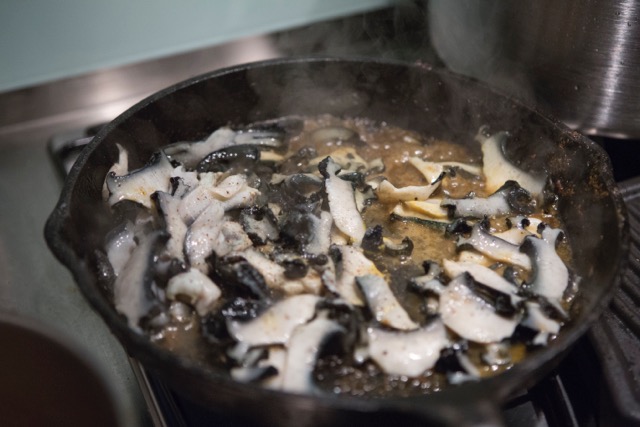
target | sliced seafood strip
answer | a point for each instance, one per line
(210, 234)
(498, 169)
(494, 247)
(260, 364)
(353, 263)
(272, 138)
(119, 168)
(342, 204)
(186, 180)
(402, 248)
(431, 208)
(139, 185)
(374, 241)
(416, 197)
(168, 206)
(273, 133)
(484, 275)
(347, 159)
(228, 187)
(303, 348)
(275, 275)
(430, 280)
(277, 323)
(383, 304)
(272, 272)
(242, 280)
(472, 169)
(260, 224)
(408, 353)
(277, 359)
(521, 227)
(387, 192)
(233, 192)
(432, 172)
(475, 258)
(365, 197)
(119, 245)
(299, 226)
(425, 284)
(133, 295)
(236, 158)
(320, 240)
(403, 213)
(550, 274)
(204, 235)
(509, 199)
(478, 207)
(190, 153)
(234, 238)
(469, 372)
(537, 320)
(194, 202)
(472, 317)
(200, 290)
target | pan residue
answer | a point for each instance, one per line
(327, 255)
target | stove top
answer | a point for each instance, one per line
(597, 385)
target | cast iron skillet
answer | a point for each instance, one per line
(415, 97)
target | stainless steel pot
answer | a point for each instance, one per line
(579, 60)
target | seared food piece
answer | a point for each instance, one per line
(319, 255)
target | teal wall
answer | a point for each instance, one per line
(43, 40)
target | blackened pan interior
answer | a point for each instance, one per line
(415, 97)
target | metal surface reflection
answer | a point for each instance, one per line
(577, 60)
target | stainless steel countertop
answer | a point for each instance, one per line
(32, 283)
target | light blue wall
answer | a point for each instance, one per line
(43, 40)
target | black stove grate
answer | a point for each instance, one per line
(616, 336)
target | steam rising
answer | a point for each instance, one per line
(467, 37)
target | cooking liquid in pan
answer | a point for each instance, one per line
(202, 339)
